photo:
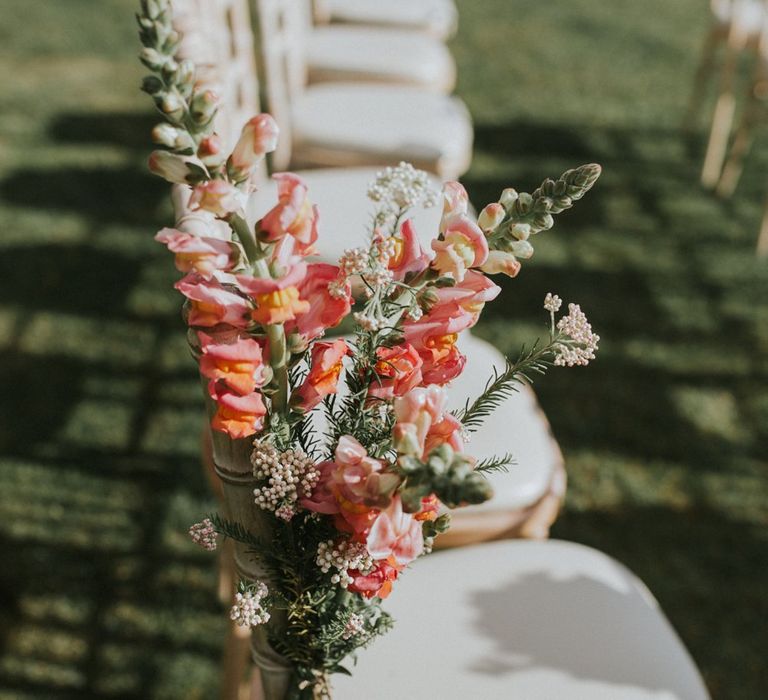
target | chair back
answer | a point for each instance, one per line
(283, 26)
(217, 36)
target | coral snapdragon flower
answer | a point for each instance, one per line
(199, 254)
(258, 137)
(398, 370)
(463, 246)
(323, 377)
(326, 310)
(294, 215)
(212, 304)
(237, 416)
(219, 197)
(422, 423)
(277, 300)
(396, 534)
(409, 256)
(377, 582)
(239, 364)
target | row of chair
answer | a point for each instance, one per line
(739, 27)
(355, 85)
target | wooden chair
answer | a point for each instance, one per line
(754, 114)
(346, 52)
(438, 18)
(343, 124)
(736, 24)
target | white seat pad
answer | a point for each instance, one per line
(438, 17)
(523, 619)
(345, 52)
(518, 427)
(390, 123)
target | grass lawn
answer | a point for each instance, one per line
(665, 435)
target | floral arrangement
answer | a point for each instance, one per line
(355, 459)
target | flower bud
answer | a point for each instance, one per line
(520, 231)
(152, 85)
(185, 73)
(500, 262)
(522, 249)
(203, 106)
(491, 217)
(151, 58)
(259, 137)
(171, 105)
(405, 439)
(428, 298)
(170, 166)
(296, 343)
(167, 135)
(210, 150)
(508, 197)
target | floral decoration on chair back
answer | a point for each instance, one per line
(350, 505)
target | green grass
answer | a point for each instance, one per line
(665, 435)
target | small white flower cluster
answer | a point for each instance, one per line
(248, 610)
(368, 323)
(204, 534)
(552, 303)
(402, 187)
(343, 556)
(290, 475)
(353, 261)
(354, 627)
(582, 341)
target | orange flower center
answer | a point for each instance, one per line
(442, 344)
(397, 256)
(278, 306)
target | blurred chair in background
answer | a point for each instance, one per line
(735, 24)
(345, 124)
(357, 53)
(754, 114)
(438, 18)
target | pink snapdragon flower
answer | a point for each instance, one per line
(219, 197)
(409, 256)
(463, 246)
(237, 416)
(415, 414)
(211, 303)
(471, 295)
(455, 203)
(327, 306)
(238, 364)
(258, 137)
(323, 377)
(398, 370)
(396, 534)
(277, 300)
(294, 215)
(199, 254)
(377, 582)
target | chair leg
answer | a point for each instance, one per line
(703, 72)
(742, 142)
(235, 681)
(723, 115)
(762, 240)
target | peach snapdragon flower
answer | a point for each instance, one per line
(236, 415)
(211, 303)
(277, 300)
(239, 364)
(219, 197)
(294, 215)
(323, 377)
(463, 246)
(199, 254)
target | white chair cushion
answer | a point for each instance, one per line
(518, 426)
(523, 619)
(383, 124)
(438, 17)
(749, 15)
(337, 52)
